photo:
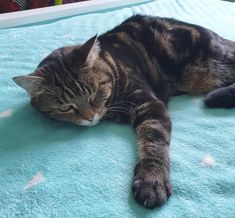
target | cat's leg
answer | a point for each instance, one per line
(151, 185)
(221, 98)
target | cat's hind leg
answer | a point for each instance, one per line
(221, 97)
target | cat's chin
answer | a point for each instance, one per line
(87, 123)
(94, 121)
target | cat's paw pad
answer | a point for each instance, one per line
(150, 188)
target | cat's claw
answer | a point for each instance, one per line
(151, 189)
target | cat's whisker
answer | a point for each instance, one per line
(124, 103)
(122, 106)
(118, 107)
(118, 110)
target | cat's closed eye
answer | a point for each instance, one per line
(66, 109)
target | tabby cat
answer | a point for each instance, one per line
(128, 74)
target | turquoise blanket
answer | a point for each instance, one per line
(53, 169)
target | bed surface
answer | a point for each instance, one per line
(87, 172)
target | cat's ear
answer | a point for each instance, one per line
(32, 84)
(87, 53)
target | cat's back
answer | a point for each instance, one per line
(166, 39)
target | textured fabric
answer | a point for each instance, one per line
(21, 3)
(9, 6)
(17, 5)
(52, 169)
(39, 3)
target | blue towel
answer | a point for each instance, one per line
(53, 169)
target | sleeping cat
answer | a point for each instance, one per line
(127, 75)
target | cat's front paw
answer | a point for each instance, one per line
(151, 186)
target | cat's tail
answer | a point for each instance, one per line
(224, 96)
(221, 98)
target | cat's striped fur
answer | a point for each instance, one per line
(128, 74)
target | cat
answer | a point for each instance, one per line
(127, 75)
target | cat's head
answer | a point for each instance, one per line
(69, 84)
